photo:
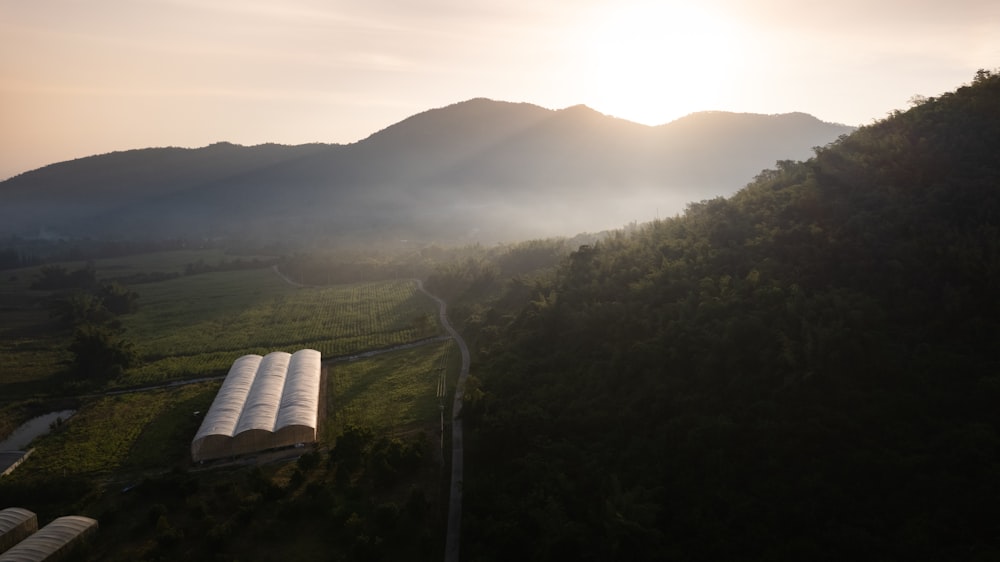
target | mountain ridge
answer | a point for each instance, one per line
(476, 153)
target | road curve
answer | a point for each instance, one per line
(452, 542)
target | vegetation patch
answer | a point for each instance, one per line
(196, 326)
(392, 392)
(126, 431)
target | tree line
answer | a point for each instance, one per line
(91, 309)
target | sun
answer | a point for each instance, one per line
(652, 62)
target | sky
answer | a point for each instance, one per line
(84, 77)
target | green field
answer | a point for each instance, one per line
(194, 326)
(125, 456)
(166, 262)
(394, 393)
(138, 431)
(33, 346)
(391, 393)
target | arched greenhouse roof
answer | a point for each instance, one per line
(260, 397)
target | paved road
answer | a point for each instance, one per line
(452, 541)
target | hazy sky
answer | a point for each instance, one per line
(82, 77)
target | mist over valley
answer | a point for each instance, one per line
(475, 171)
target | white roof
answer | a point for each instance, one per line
(11, 517)
(225, 411)
(263, 393)
(50, 539)
(261, 408)
(300, 397)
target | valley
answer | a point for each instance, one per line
(801, 368)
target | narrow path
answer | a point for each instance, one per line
(452, 542)
(286, 278)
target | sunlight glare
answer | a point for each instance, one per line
(652, 62)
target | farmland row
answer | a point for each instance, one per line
(260, 314)
(391, 392)
(129, 431)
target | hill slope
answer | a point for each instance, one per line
(804, 371)
(476, 165)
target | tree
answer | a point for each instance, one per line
(80, 308)
(54, 277)
(118, 299)
(99, 352)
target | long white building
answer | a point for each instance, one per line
(264, 403)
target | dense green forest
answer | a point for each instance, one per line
(804, 371)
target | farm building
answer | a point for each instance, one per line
(54, 542)
(264, 403)
(16, 523)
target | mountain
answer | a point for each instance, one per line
(500, 169)
(805, 370)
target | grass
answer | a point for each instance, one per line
(33, 346)
(123, 432)
(113, 459)
(28, 360)
(391, 393)
(193, 326)
(196, 326)
(173, 261)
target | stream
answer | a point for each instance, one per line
(21, 437)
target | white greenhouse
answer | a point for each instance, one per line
(16, 523)
(264, 403)
(54, 542)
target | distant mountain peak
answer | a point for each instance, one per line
(564, 168)
(580, 108)
(719, 115)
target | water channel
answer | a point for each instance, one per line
(21, 437)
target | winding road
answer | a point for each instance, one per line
(452, 541)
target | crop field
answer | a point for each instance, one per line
(26, 359)
(31, 349)
(196, 326)
(176, 261)
(33, 346)
(393, 392)
(136, 431)
(124, 457)
(167, 262)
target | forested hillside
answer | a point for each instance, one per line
(807, 370)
